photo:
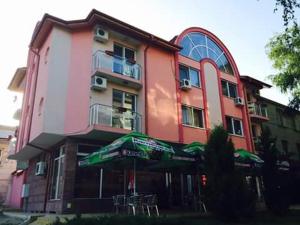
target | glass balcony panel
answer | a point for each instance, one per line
(116, 64)
(115, 117)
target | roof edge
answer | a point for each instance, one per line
(92, 18)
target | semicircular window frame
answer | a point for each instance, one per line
(198, 46)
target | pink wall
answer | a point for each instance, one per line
(16, 190)
(161, 94)
(191, 134)
(77, 110)
(41, 89)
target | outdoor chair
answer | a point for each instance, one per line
(134, 203)
(150, 202)
(119, 202)
(201, 204)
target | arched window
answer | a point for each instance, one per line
(199, 46)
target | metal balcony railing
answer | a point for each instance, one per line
(116, 64)
(115, 117)
(258, 110)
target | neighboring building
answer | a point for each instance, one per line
(284, 124)
(14, 199)
(257, 109)
(6, 166)
(91, 81)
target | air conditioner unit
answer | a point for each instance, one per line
(185, 84)
(101, 35)
(25, 191)
(238, 101)
(40, 168)
(98, 83)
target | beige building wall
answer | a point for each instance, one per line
(6, 168)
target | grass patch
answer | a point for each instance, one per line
(262, 218)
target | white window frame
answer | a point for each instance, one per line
(123, 98)
(193, 122)
(227, 88)
(189, 77)
(59, 158)
(233, 129)
(123, 49)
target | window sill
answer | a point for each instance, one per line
(54, 200)
(190, 126)
(231, 98)
(236, 135)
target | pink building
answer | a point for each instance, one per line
(93, 80)
(14, 199)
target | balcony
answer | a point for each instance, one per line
(115, 117)
(258, 111)
(116, 69)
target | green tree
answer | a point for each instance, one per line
(284, 52)
(226, 193)
(277, 184)
(288, 10)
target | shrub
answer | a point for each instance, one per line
(227, 194)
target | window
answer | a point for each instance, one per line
(229, 89)
(123, 60)
(124, 100)
(57, 177)
(189, 74)
(279, 117)
(234, 126)
(285, 146)
(199, 46)
(124, 107)
(192, 116)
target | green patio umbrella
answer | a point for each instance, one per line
(132, 146)
(245, 158)
(195, 148)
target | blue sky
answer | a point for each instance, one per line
(245, 26)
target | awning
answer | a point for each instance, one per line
(244, 158)
(133, 145)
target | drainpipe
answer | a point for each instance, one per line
(146, 88)
(34, 91)
(178, 98)
(31, 113)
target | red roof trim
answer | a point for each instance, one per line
(93, 17)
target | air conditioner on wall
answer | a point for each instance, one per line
(40, 168)
(185, 84)
(98, 83)
(100, 35)
(238, 101)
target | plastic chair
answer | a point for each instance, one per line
(150, 202)
(135, 202)
(119, 201)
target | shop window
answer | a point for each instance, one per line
(192, 116)
(57, 175)
(229, 89)
(87, 179)
(189, 74)
(234, 126)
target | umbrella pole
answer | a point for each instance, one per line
(134, 178)
(125, 178)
